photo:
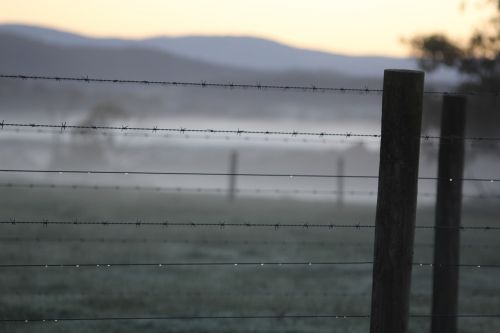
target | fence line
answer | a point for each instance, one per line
(232, 85)
(276, 191)
(211, 137)
(194, 173)
(254, 264)
(426, 141)
(198, 264)
(222, 225)
(377, 316)
(201, 84)
(155, 129)
(235, 317)
(179, 173)
(149, 318)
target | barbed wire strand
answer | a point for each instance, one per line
(200, 84)
(182, 130)
(232, 85)
(166, 223)
(253, 174)
(155, 129)
(226, 138)
(347, 140)
(219, 190)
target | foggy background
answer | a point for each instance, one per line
(38, 51)
(30, 50)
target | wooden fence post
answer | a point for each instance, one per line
(448, 214)
(396, 200)
(233, 170)
(340, 182)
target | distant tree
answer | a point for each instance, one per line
(88, 149)
(479, 63)
(102, 114)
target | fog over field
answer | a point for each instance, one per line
(37, 51)
(352, 118)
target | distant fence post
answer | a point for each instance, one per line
(340, 182)
(448, 215)
(233, 170)
(396, 200)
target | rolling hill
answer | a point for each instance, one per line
(236, 51)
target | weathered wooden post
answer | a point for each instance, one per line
(448, 215)
(233, 170)
(340, 182)
(397, 200)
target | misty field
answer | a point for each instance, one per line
(215, 168)
(221, 290)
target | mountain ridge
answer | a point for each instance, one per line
(245, 52)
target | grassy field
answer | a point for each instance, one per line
(211, 291)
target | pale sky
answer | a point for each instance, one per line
(343, 26)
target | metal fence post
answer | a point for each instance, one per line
(396, 200)
(448, 215)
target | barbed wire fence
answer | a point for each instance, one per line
(227, 134)
(231, 85)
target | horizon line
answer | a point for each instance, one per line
(194, 35)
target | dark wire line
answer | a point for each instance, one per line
(219, 190)
(266, 139)
(185, 173)
(231, 85)
(201, 84)
(222, 225)
(208, 137)
(236, 317)
(155, 129)
(233, 317)
(234, 264)
(191, 264)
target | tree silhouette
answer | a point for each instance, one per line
(479, 63)
(479, 60)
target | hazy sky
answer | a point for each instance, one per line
(346, 26)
